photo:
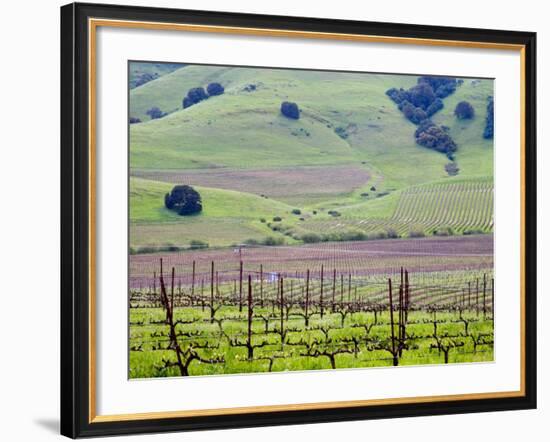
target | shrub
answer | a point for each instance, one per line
(464, 111)
(271, 241)
(372, 189)
(489, 120)
(296, 211)
(146, 249)
(442, 86)
(315, 212)
(444, 231)
(379, 235)
(277, 218)
(309, 238)
(392, 233)
(134, 120)
(184, 200)
(434, 137)
(262, 220)
(334, 213)
(194, 95)
(341, 132)
(197, 244)
(290, 110)
(155, 113)
(473, 232)
(416, 234)
(197, 94)
(251, 242)
(215, 89)
(451, 169)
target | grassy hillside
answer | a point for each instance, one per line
(228, 217)
(351, 151)
(245, 129)
(138, 72)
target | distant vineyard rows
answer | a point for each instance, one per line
(459, 206)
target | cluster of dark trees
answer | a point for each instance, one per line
(435, 137)
(489, 122)
(423, 99)
(143, 78)
(134, 120)
(155, 113)
(464, 111)
(197, 94)
(184, 200)
(290, 110)
(419, 103)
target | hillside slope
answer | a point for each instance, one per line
(244, 129)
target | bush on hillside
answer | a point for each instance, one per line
(134, 120)
(184, 200)
(489, 120)
(434, 137)
(215, 89)
(194, 95)
(464, 111)
(195, 244)
(290, 110)
(451, 169)
(155, 113)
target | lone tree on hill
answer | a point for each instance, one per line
(464, 111)
(194, 96)
(290, 110)
(155, 113)
(215, 89)
(184, 200)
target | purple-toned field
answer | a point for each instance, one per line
(280, 183)
(361, 258)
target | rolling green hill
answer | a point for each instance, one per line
(227, 217)
(348, 127)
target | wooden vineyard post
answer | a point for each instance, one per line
(484, 290)
(394, 354)
(407, 295)
(261, 285)
(349, 288)
(250, 313)
(477, 296)
(212, 311)
(307, 299)
(241, 286)
(469, 295)
(341, 290)
(202, 294)
(321, 298)
(333, 289)
(193, 281)
(282, 313)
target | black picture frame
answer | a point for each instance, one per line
(75, 221)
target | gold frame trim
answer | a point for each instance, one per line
(93, 24)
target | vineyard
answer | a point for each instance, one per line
(208, 318)
(448, 207)
(329, 239)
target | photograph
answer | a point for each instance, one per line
(297, 219)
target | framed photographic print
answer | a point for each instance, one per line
(279, 220)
